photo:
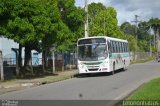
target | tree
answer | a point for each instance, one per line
(29, 21)
(127, 28)
(154, 23)
(73, 17)
(142, 35)
(103, 21)
(132, 42)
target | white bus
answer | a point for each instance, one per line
(102, 54)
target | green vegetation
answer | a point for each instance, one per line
(38, 24)
(145, 38)
(17, 84)
(142, 60)
(61, 76)
(103, 21)
(148, 91)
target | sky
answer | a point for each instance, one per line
(127, 9)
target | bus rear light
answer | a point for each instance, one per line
(103, 69)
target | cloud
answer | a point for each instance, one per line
(131, 5)
(81, 2)
(127, 9)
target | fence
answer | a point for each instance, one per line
(63, 61)
(141, 55)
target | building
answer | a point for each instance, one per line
(9, 55)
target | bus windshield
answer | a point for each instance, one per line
(92, 52)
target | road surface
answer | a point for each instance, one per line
(96, 87)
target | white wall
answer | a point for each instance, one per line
(6, 45)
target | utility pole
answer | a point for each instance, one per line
(136, 22)
(1, 66)
(86, 22)
(150, 41)
(157, 42)
(53, 58)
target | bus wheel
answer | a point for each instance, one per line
(113, 69)
(124, 66)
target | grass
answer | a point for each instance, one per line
(149, 91)
(142, 60)
(59, 77)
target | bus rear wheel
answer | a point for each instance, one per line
(124, 66)
(113, 69)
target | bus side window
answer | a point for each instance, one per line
(120, 47)
(112, 47)
(109, 46)
(118, 43)
(125, 46)
(117, 47)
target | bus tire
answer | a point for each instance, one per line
(113, 69)
(124, 66)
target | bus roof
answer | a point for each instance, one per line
(106, 37)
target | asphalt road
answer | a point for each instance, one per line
(95, 87)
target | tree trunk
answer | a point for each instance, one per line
(17, 65)
(18, 60)
(28, 60)
(53, 62)
(44, 61)
(20, 56)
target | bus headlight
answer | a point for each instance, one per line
(105, 64)
(81, 66)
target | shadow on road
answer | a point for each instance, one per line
(97, 74)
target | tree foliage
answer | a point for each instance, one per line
(73, 17)
(127, 28)
(38, 24)
(103, 21)
(143, 33)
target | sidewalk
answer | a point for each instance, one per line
(18, 84)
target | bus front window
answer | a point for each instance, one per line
(92, 52)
